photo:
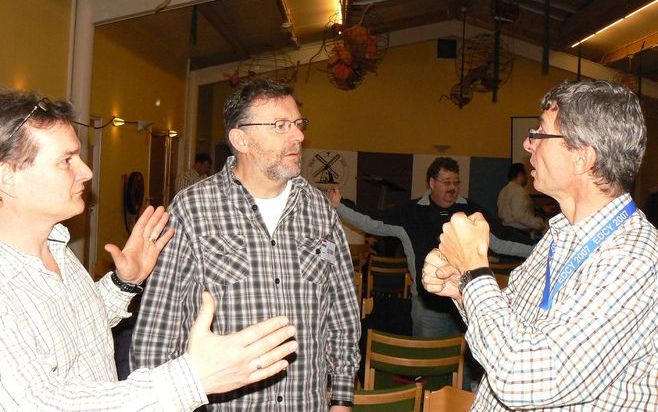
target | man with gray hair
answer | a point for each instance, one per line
(577, 327)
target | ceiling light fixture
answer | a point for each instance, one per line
(172, 133)
(614, 23)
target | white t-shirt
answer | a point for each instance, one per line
(271, 209)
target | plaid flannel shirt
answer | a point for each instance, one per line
(56, 350)
(221, 245)
(596, 348)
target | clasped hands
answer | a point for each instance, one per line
(463, 246)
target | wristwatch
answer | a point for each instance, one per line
(469, 275)
(125, 286)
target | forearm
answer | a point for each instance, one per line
(170, 387)
(531, 364)
(116, 302)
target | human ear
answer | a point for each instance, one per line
(238, 140)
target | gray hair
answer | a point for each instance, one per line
(608, 118)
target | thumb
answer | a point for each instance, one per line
(204, 318)
(114, 251)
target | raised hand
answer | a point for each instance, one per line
(465, 241)
(439, 277)
(135, 262)
(225, 363)
(333, 194)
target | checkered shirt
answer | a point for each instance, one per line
(56, 350)
(221, 245)
(596, 348)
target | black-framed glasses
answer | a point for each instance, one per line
(534, 134)
(41, 105)
(283, 125)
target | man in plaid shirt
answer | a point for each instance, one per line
(263, 242)
(577, 327)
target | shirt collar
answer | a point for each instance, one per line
(592, 222)
(59, 235)
(425, 199)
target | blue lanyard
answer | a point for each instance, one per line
(579, 256)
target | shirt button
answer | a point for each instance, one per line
(254, 207)
(279, 398)
(277, 281)
(317, 251)
(273, 242)
(237, 182)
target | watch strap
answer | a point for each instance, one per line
(125, 286)
(469, 275)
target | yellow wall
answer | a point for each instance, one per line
(35, 45)
(128, 86)
(399, 110)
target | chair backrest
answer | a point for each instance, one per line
(413, 357)
(356, 250)
(401, 399)
(502, 280)
(358, 284)
(388, 276)
(367, 304)
(448, 399)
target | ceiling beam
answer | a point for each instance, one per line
(631, 49)
(104, 12)
(223, 27)
(595, 16)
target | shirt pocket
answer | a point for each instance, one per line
(314, 268)
(224, 259)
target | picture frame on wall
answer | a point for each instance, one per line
(520, 126)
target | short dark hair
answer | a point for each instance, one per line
(202, 158)
(238, 105)
(515, 170)
(445, 163)
(17, 146)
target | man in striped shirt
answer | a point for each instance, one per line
(577, 327)
(56, 349)
(264, 242)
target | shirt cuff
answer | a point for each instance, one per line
(479, 290)
(178, 385)
(342, 388)
(115, 300)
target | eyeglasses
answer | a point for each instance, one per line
(283, 125)
(41, 105)
(534, 134)
(450, 182)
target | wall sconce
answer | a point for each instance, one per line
(117, 122)
(172, 133)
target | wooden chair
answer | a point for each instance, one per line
(502, 280)
(432, 359)
(355, 251)
(367, 305)
(401, 399)
(388, 276)
(358, 284)
(448, 399)
(504, 268)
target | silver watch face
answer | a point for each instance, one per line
(463, 281)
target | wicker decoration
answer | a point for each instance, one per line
(353, 50)
(478, 62)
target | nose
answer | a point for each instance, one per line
(296, 135)
(84, 173)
